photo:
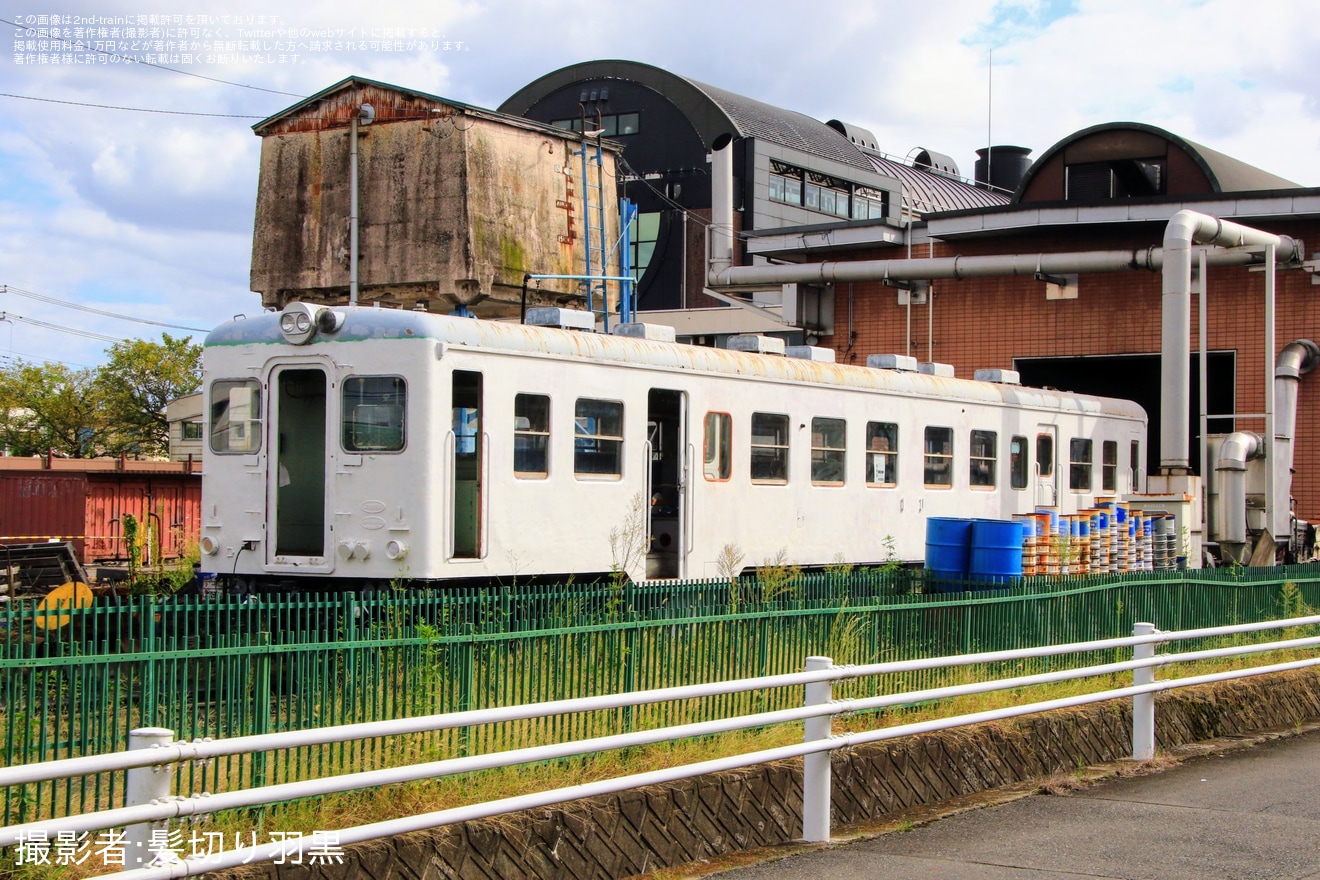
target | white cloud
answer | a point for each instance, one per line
(152, 213)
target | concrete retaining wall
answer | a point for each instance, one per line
(635, 832)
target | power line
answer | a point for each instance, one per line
(87, 334)
(133, 60)
(18, 291)
(134, 109)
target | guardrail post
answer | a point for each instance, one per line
(816, 767)
(1143, 705)
(145, 785)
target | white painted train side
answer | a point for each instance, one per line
(356, 446)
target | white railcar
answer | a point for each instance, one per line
(360, 446)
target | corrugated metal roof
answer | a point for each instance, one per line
(779, 126)
(927, 192)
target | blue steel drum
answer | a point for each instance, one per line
(996, 551)
(948, 547)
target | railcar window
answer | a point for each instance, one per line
(531, 435)
(769, 448)
(828, 451)
(1079, 464)
(1135, 464)
(939, 457)
(718, 456)
(1017, 462)
(374, 413)
(598, 438)
(1109, 466)
(881, 454)
(982, 462)
(235, 416)
(1045, 455)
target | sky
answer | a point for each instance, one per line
(119, 212)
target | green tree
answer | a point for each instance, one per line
(50, 407)
(137, 381)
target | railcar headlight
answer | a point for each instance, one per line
(300, 321)
(396, 549)
(210, 546)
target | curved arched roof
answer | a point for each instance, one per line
(712, 111)
(1225, 173)
(928, 192)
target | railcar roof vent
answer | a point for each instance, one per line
(817, 353)
(892, 362)
(930, 368)
(564, 319)
(757, 344)
(653, 332)
(999, 377)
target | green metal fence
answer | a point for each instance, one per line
(76, 683)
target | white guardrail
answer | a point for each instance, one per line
(149, 803)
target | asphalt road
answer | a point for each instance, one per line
(1244, 813)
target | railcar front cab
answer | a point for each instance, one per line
(276, 427)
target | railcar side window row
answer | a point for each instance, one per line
(769, 448)
(1079, 464)
(374, 413)
(881, 454)
(531, 436)
(981, 471)
(717, 454)
(598, 438)
(939, 457)
(828, 451)
(235, 416)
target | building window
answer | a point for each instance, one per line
(643, 233)
(881, 454)
(531, 436)
(982, 459)
(191, 430)
(1017, 462)
(1045, 455)
(828, 451)
(374, 413)
(1109, 466)
(235, 416)
(785, 183)
(611, 124)
(1116, 179)
(769, 448)
(868, 204)
(717, 459)
(939, 457)
(826, 194)
(1079, 464)
(598, 438)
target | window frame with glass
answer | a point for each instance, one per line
(882, 454)
(769, 445)
(531, 436)
(829, 451)
(935, 463)
(591, 444)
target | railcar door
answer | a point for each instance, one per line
(667, 483)
(298, 465)
(1047, 471)
(467, 466)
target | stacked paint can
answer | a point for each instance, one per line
(1108, 539)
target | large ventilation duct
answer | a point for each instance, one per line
(721, 204)
(1229, 517)
(1184, 229)
(1296, 359)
